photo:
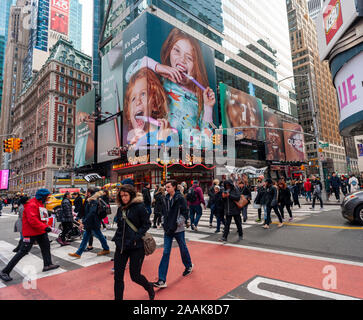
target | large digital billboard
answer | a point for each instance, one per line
(4, 179)
(84, 149)
(239, 109)
(169, 86)
(275, 150)
(109, 140)
(294, 142)
(59, 16)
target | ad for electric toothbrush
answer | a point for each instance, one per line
(169, 86)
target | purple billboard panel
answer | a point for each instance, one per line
(4, 179)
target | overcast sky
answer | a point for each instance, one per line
(87, 26)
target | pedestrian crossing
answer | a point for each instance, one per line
(33, 262)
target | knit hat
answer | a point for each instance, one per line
(128, 181)
(42, 194)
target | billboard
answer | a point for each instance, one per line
(294, 142)
(169, 85)
(360, 150)
(4, 179)
(84, 149)
(275, 150)
(109, 140)
(59, 16)
(239, 109)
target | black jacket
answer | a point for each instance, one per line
(246, 192)
(270, 196)
(211, 195)
(284, 197)
(218, 205)
(334, 182)
(313, 186)
(78, 204)
(159, 202)
(91, 220)
(171, 210)
(65, 214)
(260, 192)
(125, 237)
(147, 197)
(230, 207)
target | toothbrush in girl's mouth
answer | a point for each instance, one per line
(195, 81)
(153, 122)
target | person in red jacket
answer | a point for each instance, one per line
(34, 229)
(307, 188)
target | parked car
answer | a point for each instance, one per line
(352, 207)
(55, 200)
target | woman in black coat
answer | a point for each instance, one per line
(284, 199)
(159, 199)
(295, 193)
(65, 216)
(129, 244)
(218, 207)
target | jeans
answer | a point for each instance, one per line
(237, 220)
(25, 248)
(308, 195)
(268, 218)
(148, 209)
(157, 218)
(220, 219)
(194, 220)
(244, 213)
(316, 195)
(86, 236)
(212, 210)
(184, 253)
(136, 260)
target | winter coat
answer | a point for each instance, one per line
(354, 184)
(159, 201)
(200, 197)
(260, 192)
(295, 192)
(284, 197)
(32, 224)
(125, 237)
(334, 182)
(78, 204)
(230, 207)
(344, 186)
(307, 185)
(147, 197)
(19, 223)
(91, 220)
(175, 213)
(246, 192)
(313, 184)
(211, 195)
(65, 213)
(269, 198)
(218, 205)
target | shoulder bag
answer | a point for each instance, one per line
(242, 202)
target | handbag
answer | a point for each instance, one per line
(149, 241)
(242, 202)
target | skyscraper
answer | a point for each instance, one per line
(314, 8)
(75, 24)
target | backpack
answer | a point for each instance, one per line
(103, 209)
(317, 188)
(191, 195)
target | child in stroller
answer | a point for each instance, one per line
(74, 232)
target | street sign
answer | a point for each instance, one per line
(324, 145)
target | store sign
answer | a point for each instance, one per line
(333, 21)
(248, 169)
(92, 177)
(348, 83)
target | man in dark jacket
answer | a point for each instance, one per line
(34, 228)
(92, 224)
(335, 185)
(78, 204)
(147, 197)
(65, 216)
(211, 201)
(230, 195)
(175, 218)
(316, 188)
(270, 201)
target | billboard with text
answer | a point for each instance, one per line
(294, 142)
(4, 179)
(59, 16)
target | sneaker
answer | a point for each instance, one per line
(59, 240)
(192, 226)
(210, 226)
(5, 277)
(89, 249)
(188, 271)
(311, 208)
(160, 284)
(154, 227)
(103, 252)
(240, 238)
(223, 239)
(113, 270)
(74, 255)
(195, 228)
(217, 231)
(280, 225)
(51, 267)
(258, 220)
(266, 226)
(290, 219)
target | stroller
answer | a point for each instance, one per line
(73, 233)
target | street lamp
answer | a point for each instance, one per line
(316, 128)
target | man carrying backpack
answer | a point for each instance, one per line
(195, 198)
(316, 187)
(92, 222)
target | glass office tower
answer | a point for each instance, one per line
(75, 24)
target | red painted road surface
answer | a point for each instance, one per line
(218, 270)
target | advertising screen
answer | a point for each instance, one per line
(294, 142)
(85, 130)
(169, 86)
(360, 150)
(59, 16)
(109, 140)
(4, 179)
(239, 109)
(275, 150)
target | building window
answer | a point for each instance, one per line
(60, 118)
(59, 150)
(60, 108)
(60, 128)
(59, 161)
(70, 110)
(60, 140)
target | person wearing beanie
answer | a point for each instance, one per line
(34, 228)
(128, 181)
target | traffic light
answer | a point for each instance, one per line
(18, 144)
(8, 145)
(164, 174)
(217, 138)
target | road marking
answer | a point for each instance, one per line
(318, 226)
(253, 288)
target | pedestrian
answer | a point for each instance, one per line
(245, 190)
(344, 185)
(175, 219)
(65, 217)
(284, 200)
(335, 185)
(295, 193)
(195, 200)
(354, 183)
(131, 214)
(230, 196)
(78, 205)
(159, 199)
(19, 222)
(92, 224)
(106, 199)
(317, 190)
(34, 228)
(260, 189)
(218, 207)
(270, 200)
(147, 197)
(307, 188)
(211, 201)
(185, 186)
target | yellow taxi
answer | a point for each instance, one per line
(55, 200)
